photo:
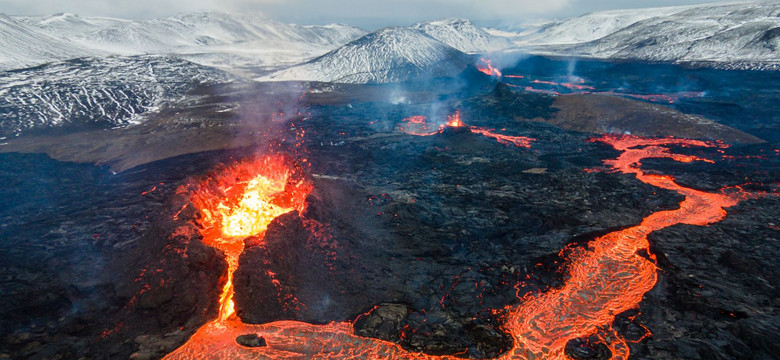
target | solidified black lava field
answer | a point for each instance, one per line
(428, 233)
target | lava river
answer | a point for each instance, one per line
(607, 278)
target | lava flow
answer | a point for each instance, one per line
(608, 277)
(240, 201)
(419, 126)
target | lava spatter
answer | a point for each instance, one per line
(607, 278)
(486, 67)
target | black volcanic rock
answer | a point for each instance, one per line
(385, 322)
(251, 340)
(610, 114)
(88, 260)
(460, 220)
(431, 232)
(587, 349)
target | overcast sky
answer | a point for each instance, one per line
(369, 14)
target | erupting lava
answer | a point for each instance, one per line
(486, 67)
(240, 202)
(608, 277)
(455, 121)
(418, 125)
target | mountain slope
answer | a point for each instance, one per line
(22, 46)
(387, 55)
(743, 35)
(200, 36)
(593, 26)
(96, 92)
(208, 28)
(462, 35)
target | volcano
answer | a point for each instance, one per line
(458, 234)
(387, 55)
(394, 195)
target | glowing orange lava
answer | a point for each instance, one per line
(519, 141)
(240, 202)
(486, 67)
(418, 125)
(607, 278)
(454, 120)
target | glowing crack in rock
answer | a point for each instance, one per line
(608, 277)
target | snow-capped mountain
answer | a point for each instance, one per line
(21, 45)
(593, 26)
(463, 35)
(190, 35)
(96, 92)
(743, 35)
(388, 55)
(186, 30)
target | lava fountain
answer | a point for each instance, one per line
(608, 277)
(240, 201)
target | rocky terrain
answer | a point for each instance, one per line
(95, 93)
(414, 238)
(425, 239)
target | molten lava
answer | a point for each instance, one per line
(454, 120)
(608, 277)
(418, 125)
(486, 67)
(519, 141)
(240, 201)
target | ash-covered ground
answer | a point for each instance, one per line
(415, 238)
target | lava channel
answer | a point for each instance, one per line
(608, 277)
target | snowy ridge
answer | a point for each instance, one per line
(593, 26)
(729, 35)
(21, 46)
(462, 35)
(396, 54)
(186, 34)
(96, 92)
(388, 55)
